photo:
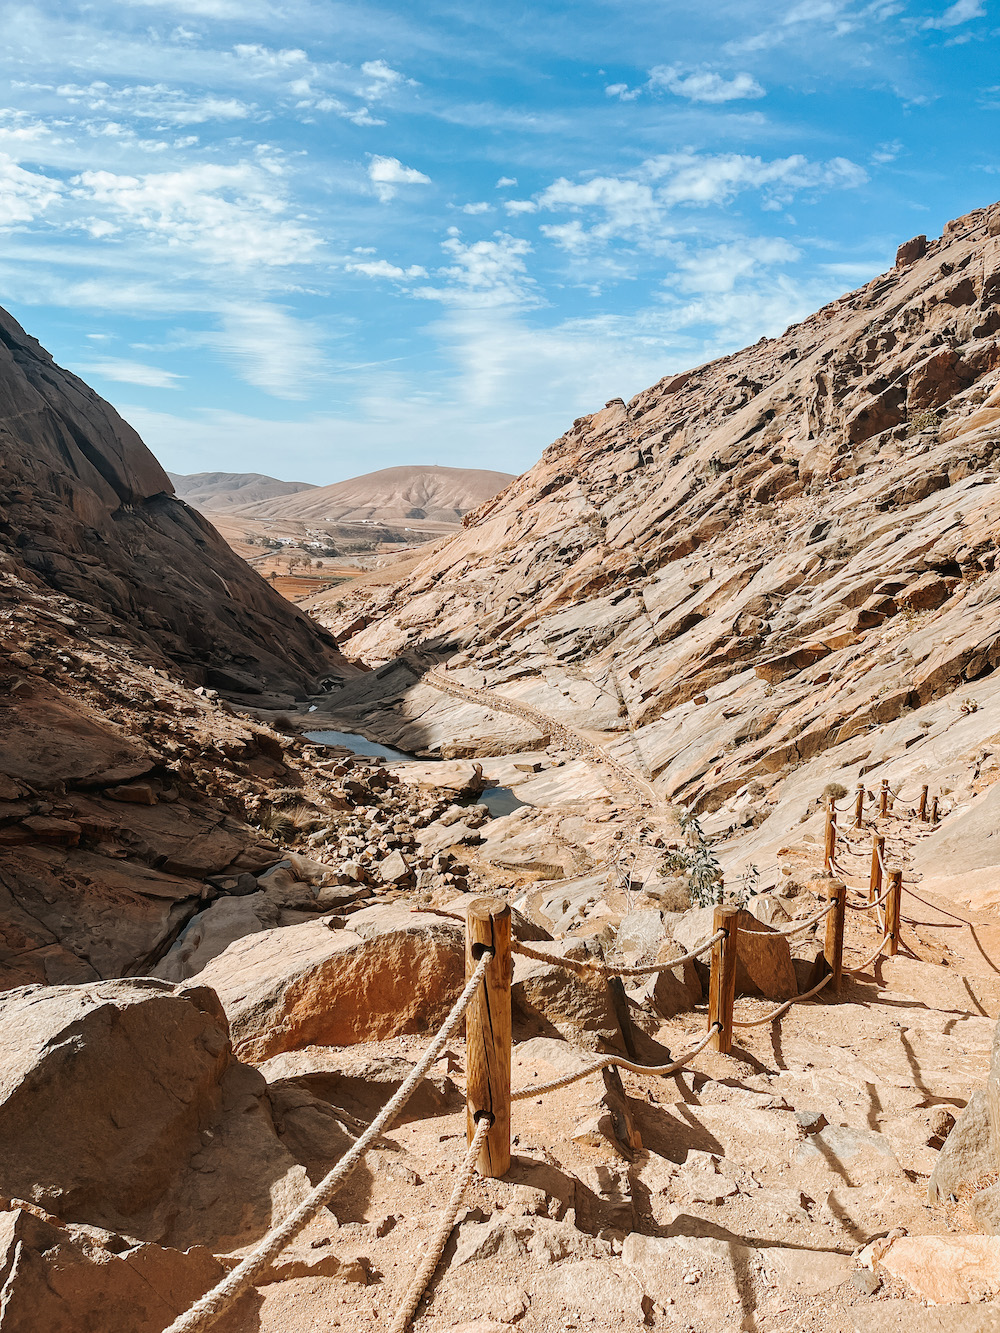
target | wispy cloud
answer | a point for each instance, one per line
(131, 372)
(270, 349)
(962, 11)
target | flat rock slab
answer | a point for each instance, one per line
(807, 1272)
(943, 987)
(308, 985)
(947, 1270)
(891, 1316)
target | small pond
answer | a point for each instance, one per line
(359, 745)
(498, 800)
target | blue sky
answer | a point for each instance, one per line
(314, 238)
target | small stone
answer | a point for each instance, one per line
(134, 793)
(866, 1281)
(811, 1122)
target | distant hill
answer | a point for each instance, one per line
(391, 496)
(214, 491)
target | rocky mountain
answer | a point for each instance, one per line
(219, 491)
(440, 495)
(772, 567)
(88, 512)
(746, 590)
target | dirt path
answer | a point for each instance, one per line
(579, 742)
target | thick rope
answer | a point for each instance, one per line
(436, 911)
(856, 971)
(867, 907)
(776, 1013)
(520, 1094)
(806, 925)
(214, 1303)
(432, 1258)
(934, 908)
(606, 970)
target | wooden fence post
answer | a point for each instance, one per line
(892, 911)
(875, 885)
(922, 807)
(830, 842)
(833, 949)
(487, 1032)
(722, 982)
(934, 811)
(859, 806)
(883, 799)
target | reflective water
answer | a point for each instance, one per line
(498, 800)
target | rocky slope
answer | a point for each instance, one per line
(390, 496)
(89, 513)
(216, 491)
(768, 571)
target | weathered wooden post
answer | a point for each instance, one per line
(934, 811)
(883, 799)
(922, 807)
(830, 838)
(487, 1032)
(859, 806)
(722, 982)
(875, 884)
(892, 903)
(833, 948)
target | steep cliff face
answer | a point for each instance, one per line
(86, 510)
(761, 561)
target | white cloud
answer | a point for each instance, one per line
(383, 78)
(622, 91)
(712, 179)
(722, 267)
(216, 9)
(960, 12)
(505, 181)
(388, 173)
(517, 206)
(169, 106)
(628, 204)
(886, 152)
(381, 268)
(24, 195)
(227, 215)
(131, 372)
(637, 206)
(477, 208)
(704, 85)
(485, 273)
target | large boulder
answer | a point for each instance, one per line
(308, 985)
(969, 1163)
(763, 958)
(103, 1091)
(68, 1279)
(549, 999)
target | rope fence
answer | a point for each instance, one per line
(593, 967)
(432, 1258)
(485, 1004)
(216, 1302)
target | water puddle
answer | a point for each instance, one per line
(360, 745)
(498, 800)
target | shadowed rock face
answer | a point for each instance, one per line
(86, 509)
